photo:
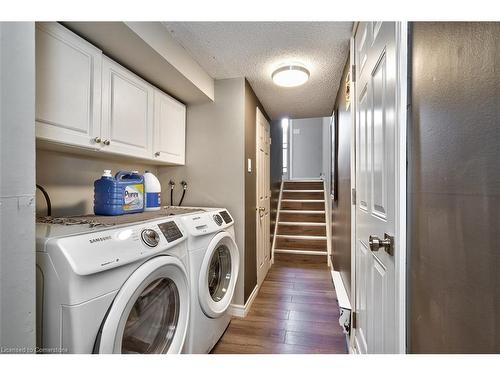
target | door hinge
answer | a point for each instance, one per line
(353, 196)
(353, 73)
(354, 323)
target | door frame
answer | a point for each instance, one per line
(258, 113)
(400, 188)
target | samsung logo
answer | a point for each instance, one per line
(99, 239)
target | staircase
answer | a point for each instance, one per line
(301, 219)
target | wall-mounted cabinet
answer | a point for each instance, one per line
(89, 102)
(127, 112)
(68, 87)
(169, 129)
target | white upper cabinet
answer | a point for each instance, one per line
(127, 112)
(68, 87)
(87, 100)
(169, 129)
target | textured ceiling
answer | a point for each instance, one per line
(254, 49)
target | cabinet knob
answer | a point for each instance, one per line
(106, 142)
(157, 153)
(97, 140)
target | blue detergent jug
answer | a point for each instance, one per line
(119, 195)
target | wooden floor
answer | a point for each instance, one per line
(295, 311)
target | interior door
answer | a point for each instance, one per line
(263, 143)
(375, 61)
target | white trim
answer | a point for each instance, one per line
(301, 237)
(401, 192)
(300, 252)
(276, 223)
(241, 311)
(302, 223)
(340, 291)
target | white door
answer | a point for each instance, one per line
(150, 313)
(263, 143)
(169, 129)
(127, 112)
(68, 87)
(376, 74)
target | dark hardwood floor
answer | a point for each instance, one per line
(295, 311)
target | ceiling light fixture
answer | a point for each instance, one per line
(290, 75)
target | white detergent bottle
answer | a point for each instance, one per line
(152, 192)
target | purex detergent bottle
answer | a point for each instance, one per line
(119, 195)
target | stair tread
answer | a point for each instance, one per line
(305, 223)
(302, 236)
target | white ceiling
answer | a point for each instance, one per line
(254, 49)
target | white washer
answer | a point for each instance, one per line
(118, 290)
(214, 262)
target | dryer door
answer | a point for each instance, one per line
(218, 275)
(150, 312)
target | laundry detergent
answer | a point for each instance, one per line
(121, 194)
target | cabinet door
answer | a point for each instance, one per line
(127, 112)
(170, 130)
(68, 87)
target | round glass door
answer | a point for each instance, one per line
(218, 274)
(150, 313)
(153, 320)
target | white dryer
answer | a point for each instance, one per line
(213, 267)
(118, 290)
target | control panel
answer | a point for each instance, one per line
(170, 230)
(100, 250)
(207, 222)
(225, 215)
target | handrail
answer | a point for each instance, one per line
(276, 221)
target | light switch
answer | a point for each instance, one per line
(249, 165)
(296, 131)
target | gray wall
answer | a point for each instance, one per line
(306, 137)
(341, 207)
(454, 192)
(69, 180)
(17, 186)
(215, 165)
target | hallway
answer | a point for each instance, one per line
(295, 312)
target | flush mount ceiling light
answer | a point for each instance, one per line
(290, 75)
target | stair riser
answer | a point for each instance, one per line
(302, 205)
(303, 195)
(300, 244)
(303, 186)
(301, 217)
(302, 230)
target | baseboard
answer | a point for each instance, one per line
(241, 311)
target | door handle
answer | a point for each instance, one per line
(262, 209)
(387, 243)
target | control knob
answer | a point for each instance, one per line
(218, 220)
(150, 237)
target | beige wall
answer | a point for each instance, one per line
(215, 167)
(69, 180)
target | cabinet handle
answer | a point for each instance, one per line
(157, 153)
(97, 140)
(107, 142)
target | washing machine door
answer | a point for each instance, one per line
(218, 274)
(150, 312)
